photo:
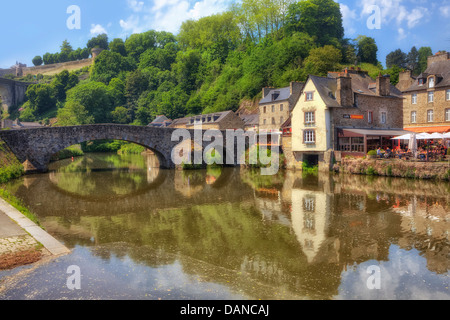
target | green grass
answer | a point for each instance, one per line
(16, 203)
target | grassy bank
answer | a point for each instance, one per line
(11, 168)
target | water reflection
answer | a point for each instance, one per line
(286, 236)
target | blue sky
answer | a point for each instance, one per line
(30, 28)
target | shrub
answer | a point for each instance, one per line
(371, 171)
(372, 153)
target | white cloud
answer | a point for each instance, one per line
(97, 29)
(401, 34)
(348, 17)
(445, 11)
(136, 6)
(400, 11)
(168, 15)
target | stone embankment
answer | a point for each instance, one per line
(395, 168)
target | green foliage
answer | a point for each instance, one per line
(130, 148)
(101, 146)
(41, 97)
(367, 50)
(322, 60)
(37, 61)
(73, 113)
(372, 153)
(100, 41)
(95, 98)
(118, 45)
(371, 171)
(321, 19)
(109, 65)
(72, 151)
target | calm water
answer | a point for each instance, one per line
(138, 232)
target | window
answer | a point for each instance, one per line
(447, 114)
(281, 120)
(273, 120)
(383, 117)
(448, 95)
(413, 116)
(431, 96)
(264, 121)
(264, 109)
(430, 115)
(309, 96)
(309, 136)
(310, 117)
(420, 82)
(431, 83)
(369, 116)
(281, 107)
(273, 108)
(414, 98)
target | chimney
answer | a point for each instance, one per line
(383, 85)
(295, 87)
(439, 56)
(405, 80)
(344, 92)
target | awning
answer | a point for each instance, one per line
(373, 132)
(440, 129)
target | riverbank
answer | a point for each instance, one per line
(394, 168)
(22, 239)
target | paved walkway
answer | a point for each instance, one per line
(18, 233)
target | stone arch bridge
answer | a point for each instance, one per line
(37, 145)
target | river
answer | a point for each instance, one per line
(140, 232)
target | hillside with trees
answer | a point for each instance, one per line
(213, 64)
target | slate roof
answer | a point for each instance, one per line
(250, 119)
(441, 69)
(214, 118)
(283, 94)
(361, 84)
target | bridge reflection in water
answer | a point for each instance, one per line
(286, 236)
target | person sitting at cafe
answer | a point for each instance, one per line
(379, 153)
(388, 153)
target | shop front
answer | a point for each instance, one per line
(358, 142)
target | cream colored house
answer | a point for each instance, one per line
(348, 112)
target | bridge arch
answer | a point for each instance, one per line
(38, 145)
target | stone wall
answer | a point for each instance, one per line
(56, 67)
(395, 168)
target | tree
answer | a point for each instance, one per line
(73, 113)
(120, 115)
(108, 65)
(63, 82)
(48, 58)
(322, 60)
(136, 83)
(94, 96)
(217, 34)
(424, 53)
(118, 45)
(37, 61)
(412, 60)
(396, 58)
(100, 41)
(321, 19)
(367, 50)
(41, 97)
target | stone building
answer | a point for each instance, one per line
(276, 105)
(347, 112)
(426, 106)
(218, 120)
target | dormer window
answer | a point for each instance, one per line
(275, 95)
(431, 82)
(421, 82)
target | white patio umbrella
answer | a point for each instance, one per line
(423, 136)
(446, 135)
(403, 137)
(436, 135)
(412, 146)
